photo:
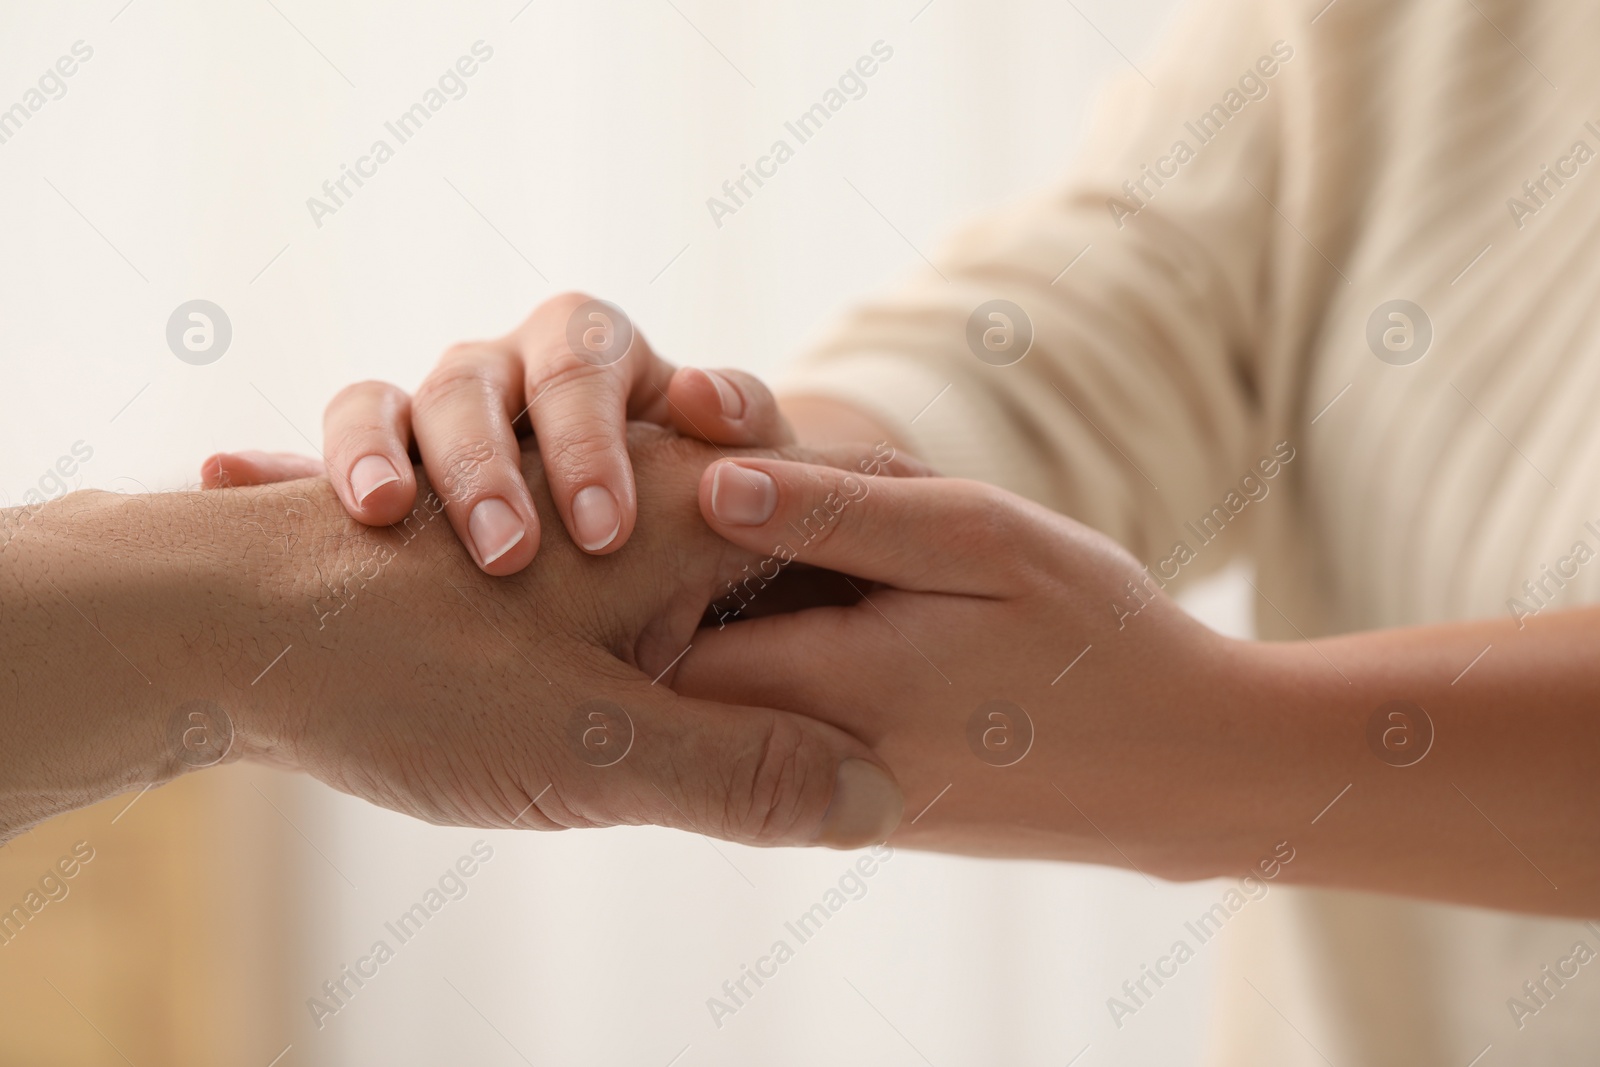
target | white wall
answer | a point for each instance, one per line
(177, 166)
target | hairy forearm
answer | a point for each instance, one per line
(1453, 762)
(149, 636)
(124, 627)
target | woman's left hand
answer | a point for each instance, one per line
(1029, 701)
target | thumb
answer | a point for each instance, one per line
(756, 776)
(943, 535)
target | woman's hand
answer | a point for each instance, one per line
(573, 374)
(1029, 702)
(1037, 695)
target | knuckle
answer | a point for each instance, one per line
(982, 520)
(988, 507)
(578, 450)
(356, 436)
(817, 526)
(996, 526)
(362, 430)
(557, 368)
(452, 380)
(468, 354)
(368, 393)
(563, 303)
(777, 789)
(550, 810)
(550, 317)
(464, 466)
(820, 508)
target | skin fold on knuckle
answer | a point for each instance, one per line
(816, 505)
(453, 384)
(361, 437)
(984, 518)
(553, 368)
(775, 792)
(583, 454)
(465, 468)
(553, 808)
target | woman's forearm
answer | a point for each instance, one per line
(1454, 762)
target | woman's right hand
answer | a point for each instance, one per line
(573, 374)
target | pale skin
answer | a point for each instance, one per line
(1166, 747)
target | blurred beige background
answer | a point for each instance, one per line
(177, 166)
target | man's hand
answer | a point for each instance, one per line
(383, 662)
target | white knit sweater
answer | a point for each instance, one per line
(1220, 275)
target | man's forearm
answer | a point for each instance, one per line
(129, 639)
(148, 636)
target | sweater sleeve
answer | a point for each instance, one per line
(1144, 282)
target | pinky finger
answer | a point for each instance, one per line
(228, 469)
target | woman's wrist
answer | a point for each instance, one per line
(1267, 743)
(1449, 762)
(824, 420)
(1212, 768)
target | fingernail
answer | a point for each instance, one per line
(212, 471)
(495, 529)
(732, 399)
(597, 517)
(865, 809)
(742, 496)
(370, 474)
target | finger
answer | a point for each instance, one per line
(926, 534)
(366, 431)
(726, 407)
(588, 373)
(462, 418)
(803, 655)
(227, 469)
(752, 775)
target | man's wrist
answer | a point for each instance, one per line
(134, 626)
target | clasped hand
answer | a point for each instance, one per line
(957, 636)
